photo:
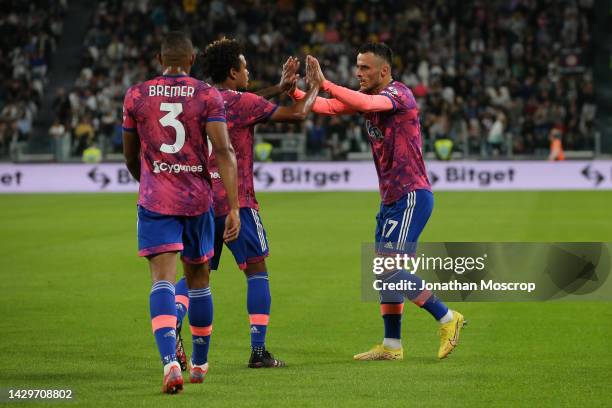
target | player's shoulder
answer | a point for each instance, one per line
(228, 94)
(203, 86)
(134, 93)
(238, 98)
(140, 89)
(401, 93)
(205, 91)
(397, 89)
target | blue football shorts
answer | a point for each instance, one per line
(193, 236)
(399, 224)
(251, 246)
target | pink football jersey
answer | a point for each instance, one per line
(395, 137)
(244, 111)
(169, 114)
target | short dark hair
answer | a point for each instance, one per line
(380, 49)
(220, 57)
(175, 46)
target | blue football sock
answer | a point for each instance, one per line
(258, 306)
(163, 319)
(200, 321)
(422, 298)
(182, 301)
(392, 317)
(391, 308)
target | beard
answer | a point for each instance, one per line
(367, 89)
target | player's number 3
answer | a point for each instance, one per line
(169, 119)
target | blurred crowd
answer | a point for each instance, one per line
(495, 77)
(29, 32)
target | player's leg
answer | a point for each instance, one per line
(182, 301)
(388, 223)
(258, 307)
(198, 237)
(182, 305)
(451, 322)
(250, 251)
(159, 238)
(416, 210)
(419, 208)
(391, 302)
(200, 318)
(182, 295)
(163, 318)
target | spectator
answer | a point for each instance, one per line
(556, 147)
(60, 139)
(83, 136)
(496, 135)
(480, 70)
(29, 34)
(92, 154)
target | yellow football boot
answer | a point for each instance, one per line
(380, 352)
(449, 334)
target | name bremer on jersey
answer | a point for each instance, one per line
(171, 91)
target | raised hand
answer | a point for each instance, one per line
(314, 74)
(290, 74)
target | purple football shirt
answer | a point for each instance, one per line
(395, 137)
(169, 114)
(243, 111)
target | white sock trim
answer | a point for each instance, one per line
(447, 317)
(168, 366)
(392, 343)
(204, 366)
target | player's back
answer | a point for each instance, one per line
(170, 113)
(243, 110)
(396, 142)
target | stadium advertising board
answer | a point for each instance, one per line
(326, 176)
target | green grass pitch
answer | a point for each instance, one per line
(75, 308)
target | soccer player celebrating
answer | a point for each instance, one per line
(166, 151)
(392, 123)
(225, 63)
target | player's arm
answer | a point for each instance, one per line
(288, 77)
(355, 100)
(269, 92)
(131, 142)
(300, 108)
(324, 106)
(359, 101)
(226, 161)
(131, 152)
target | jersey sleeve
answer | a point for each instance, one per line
(129, 123)
(358, 101)
(401, 98)
(215, 109)
(325, 106)
(256, 108)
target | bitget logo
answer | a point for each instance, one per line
(162, 167)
